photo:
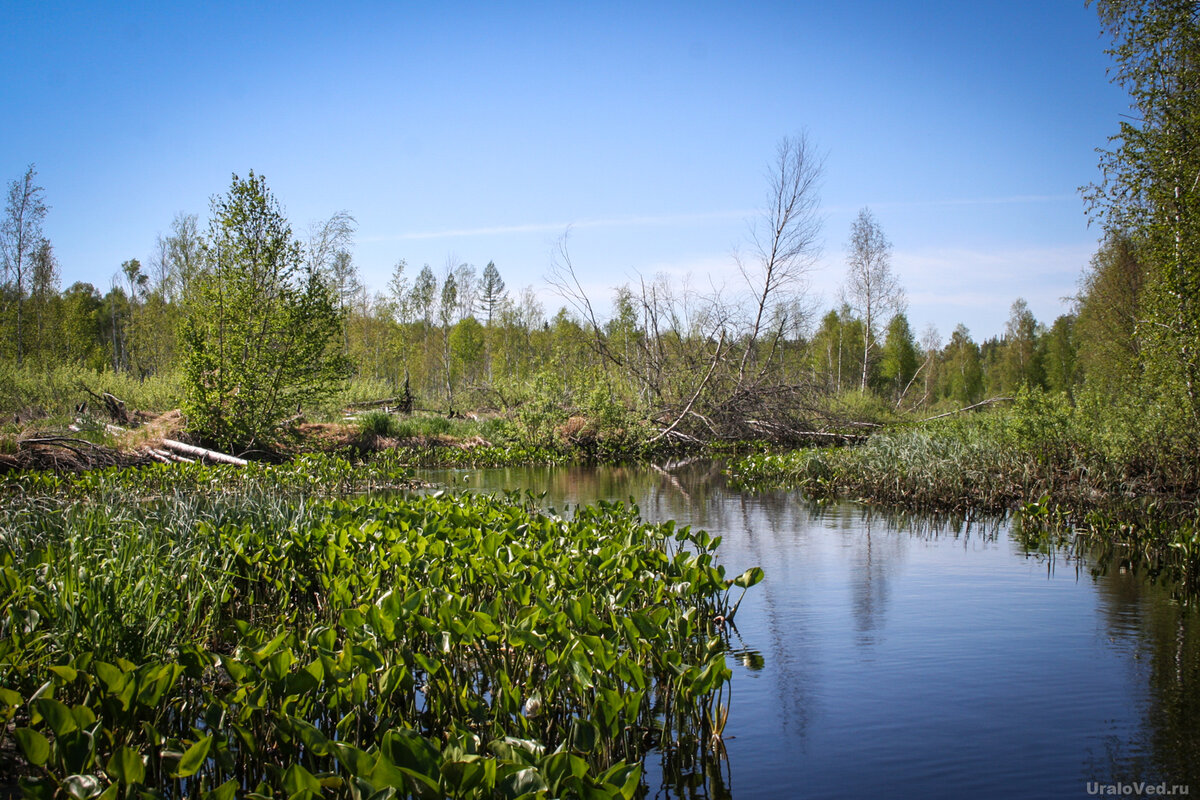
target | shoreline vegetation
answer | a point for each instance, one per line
(1117, 475)
(1133, 459)
(207, 631)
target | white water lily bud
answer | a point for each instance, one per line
(532, 707)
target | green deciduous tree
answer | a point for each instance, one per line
(1150, 184)
(260, 329)
(20, 240)
(899, 358)
(1059, 355)
(1110, 307)
(1021, 364)
(962, 376)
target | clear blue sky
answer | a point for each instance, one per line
(480, 131)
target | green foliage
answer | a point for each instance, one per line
(439, 645)
(1110, 303)
(260, 332)
(899, 358)
(1116, 458)
(55, 390)
(1059, 355)
(836, 350)
(538, 408)
(1149, 186)
(1020, 362)
(380, 423)
(962, 374)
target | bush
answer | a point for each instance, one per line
(379, 423)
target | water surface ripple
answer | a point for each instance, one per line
(894, 657)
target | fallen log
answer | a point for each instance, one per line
(386, 401)
(171, 457)
(203, 453)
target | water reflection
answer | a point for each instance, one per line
(894, 654)
(1145, 618)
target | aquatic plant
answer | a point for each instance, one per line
(209, 632)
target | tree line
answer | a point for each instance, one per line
(750, 360)
(460, 339)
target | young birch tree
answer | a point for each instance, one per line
(871, 287)
(20, 240)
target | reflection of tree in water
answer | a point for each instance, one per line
(1166, 638)
(765, 521)
(875, 557)
(781, 531)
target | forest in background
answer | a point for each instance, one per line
(465, 341)
(754, 361)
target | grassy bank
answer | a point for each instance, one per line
(213, 632)
(67, 404)
(1124, 474)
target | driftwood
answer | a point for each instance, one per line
(786, 433)
(202, 453)
(386, 401)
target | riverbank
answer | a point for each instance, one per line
(1111, 474)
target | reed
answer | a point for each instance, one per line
(1105, 473)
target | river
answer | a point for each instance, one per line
(886, 656)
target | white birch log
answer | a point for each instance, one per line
(201, 453)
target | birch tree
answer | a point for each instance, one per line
(872, 289)
(20, 240)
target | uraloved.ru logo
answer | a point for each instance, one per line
(1139, 789)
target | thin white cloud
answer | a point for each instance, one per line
(965, 265)
(1017, 199)
(543, 227)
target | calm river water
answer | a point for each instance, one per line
(886, 658)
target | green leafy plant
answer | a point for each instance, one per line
(260, 330)
(189, 630)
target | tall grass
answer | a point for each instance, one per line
(1086, 456)
(55, 391)
(1125, 472)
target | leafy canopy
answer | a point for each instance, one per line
(260, 328)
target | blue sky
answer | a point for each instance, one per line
(479, 132)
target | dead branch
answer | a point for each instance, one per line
(987, 402)
(711, 368)
(112, 404)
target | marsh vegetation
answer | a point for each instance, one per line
(206, 632)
